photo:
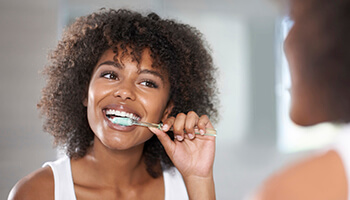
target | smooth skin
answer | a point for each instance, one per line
(193, 155)
(116, 159)
(319, 178)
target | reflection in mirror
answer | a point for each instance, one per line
(292, 137)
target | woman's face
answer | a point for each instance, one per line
(127, 90)
(307, 97)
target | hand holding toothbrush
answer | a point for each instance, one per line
(193, 155)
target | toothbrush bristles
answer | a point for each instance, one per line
(123, 121)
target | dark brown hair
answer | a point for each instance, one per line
(323, 40)
(177, 48)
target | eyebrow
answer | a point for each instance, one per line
(143, 71)
(155, 73)
(108, 62)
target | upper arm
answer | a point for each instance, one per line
(37, 185)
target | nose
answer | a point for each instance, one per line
(124, 91)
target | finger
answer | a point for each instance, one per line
(191, 122)
(178, 127)
(203, 123)
(168, 123)
(166, 141)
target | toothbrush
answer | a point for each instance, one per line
(125, 121)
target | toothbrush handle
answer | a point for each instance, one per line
(147, 124)
(208, 132)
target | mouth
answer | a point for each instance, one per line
(112, 113)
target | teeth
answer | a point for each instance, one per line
(121, 114)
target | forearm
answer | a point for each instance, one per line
(200, 188)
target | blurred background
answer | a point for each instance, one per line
(255, 135)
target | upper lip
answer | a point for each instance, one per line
(122, 108)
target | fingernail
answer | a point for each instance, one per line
(179, 138)
(191, 136)
(165, 127)
(202, 132)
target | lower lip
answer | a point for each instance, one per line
(118, 127)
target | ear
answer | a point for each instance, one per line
(85, 102)
(85, 99)
(168, 110)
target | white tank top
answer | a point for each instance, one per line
(174, 185)
(342, 147)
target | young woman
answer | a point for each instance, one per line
(122, 64)
(318, 52)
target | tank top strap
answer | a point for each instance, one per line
(64, 187)
(174, 185)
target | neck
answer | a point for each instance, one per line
(116, 167)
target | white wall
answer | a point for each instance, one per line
(28, 30)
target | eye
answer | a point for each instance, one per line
(109, 75)
(149, 83)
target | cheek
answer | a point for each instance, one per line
(92, 96)
(90, 104)
(91, 113)
(96, 93)
(94, 112)
(155, 104)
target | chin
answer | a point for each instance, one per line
(301, 122)
(305, 117)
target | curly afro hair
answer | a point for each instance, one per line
(177, 48)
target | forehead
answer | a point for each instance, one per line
(143, 62)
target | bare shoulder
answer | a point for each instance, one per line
(319, 177)
(37, 185)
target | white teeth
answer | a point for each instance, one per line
(121, 114)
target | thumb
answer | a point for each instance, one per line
(166, 141)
